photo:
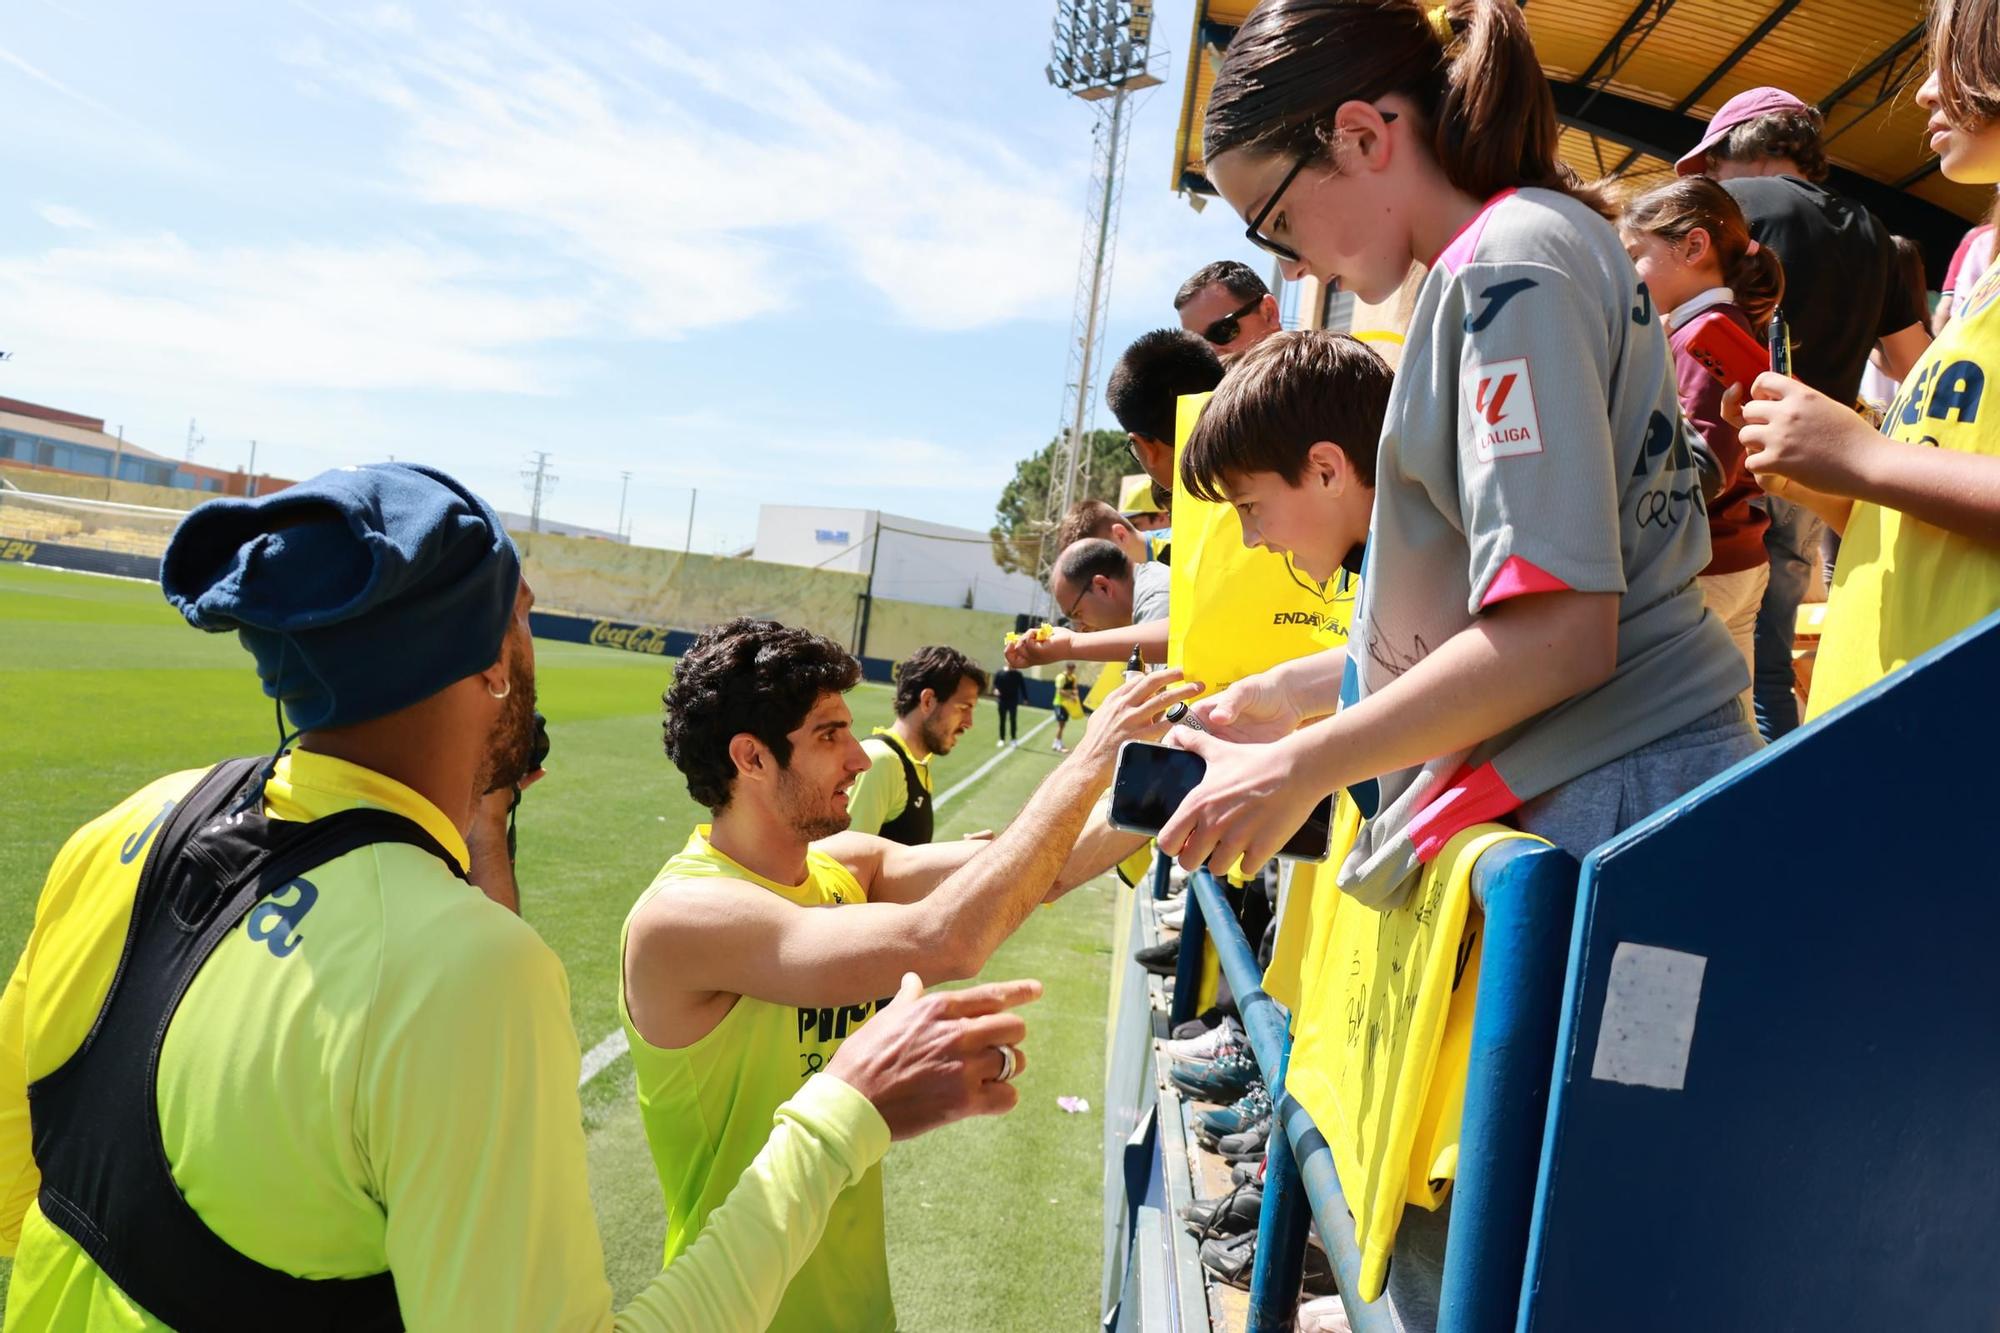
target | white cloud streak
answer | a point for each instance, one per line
(706, 189)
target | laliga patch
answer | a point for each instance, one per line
(1504, 423)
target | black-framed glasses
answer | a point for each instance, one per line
(1071, 613)
(1254, 232)
(1223, 331)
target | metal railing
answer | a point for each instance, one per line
(1528, 892)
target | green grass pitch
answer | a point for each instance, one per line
(993, 1224)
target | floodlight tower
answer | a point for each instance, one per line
(1099, 55)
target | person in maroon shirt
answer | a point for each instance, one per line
(1693, 250)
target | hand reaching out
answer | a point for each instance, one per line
(928, 1060)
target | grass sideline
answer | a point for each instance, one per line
(992, 1224)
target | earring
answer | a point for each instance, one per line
(501, 694)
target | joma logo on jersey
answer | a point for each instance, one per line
(1504, 421)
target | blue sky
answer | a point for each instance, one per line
(779, 252)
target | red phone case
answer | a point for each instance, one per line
(1731, 354)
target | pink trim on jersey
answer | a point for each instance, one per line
(1518, 577)
(1473, 796)
(1457, 252)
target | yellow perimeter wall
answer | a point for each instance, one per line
(606, 580)
(639, 583)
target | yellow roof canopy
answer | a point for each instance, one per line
(1635, 82)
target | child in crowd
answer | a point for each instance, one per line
(1918, 504)
(1289, 440)
(1530, 638)
(1693, 251)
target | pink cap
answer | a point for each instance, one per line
(1745, 106)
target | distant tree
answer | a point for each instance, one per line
(1021, 517)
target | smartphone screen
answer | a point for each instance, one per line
(1153, 780)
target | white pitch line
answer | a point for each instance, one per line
(992, 763)
(601, 1056)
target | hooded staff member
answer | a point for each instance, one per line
(270, 1060)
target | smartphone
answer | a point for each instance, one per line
(1153, 780)
(1731, 354)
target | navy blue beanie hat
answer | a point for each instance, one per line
(359, 592)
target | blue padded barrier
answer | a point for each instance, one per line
(1777, 1076)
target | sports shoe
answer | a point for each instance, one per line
(1209, 1045)
(1161, 959)
(1173, 918)
(1247, 1173)
(1057, 746)
(1251, 1107)
(1231, 1259)
(1000, 745)
(1246, 1146)
(1202, 1022)
(1221, 1080)
(1231, 1215)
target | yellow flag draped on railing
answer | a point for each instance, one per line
(1382, 1029)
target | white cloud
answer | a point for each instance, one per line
(50, 81)
(591, 188)
(707, 188)
(387, 316)
(66, 218)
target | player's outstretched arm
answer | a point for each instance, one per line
(723, 937)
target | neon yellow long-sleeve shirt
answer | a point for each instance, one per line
(381, 1075)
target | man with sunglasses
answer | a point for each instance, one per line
(1228, 306)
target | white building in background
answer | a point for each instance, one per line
(915, 560)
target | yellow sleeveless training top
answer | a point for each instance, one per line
(1901, 586)
(709, 1107)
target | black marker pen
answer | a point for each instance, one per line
(1779, 337)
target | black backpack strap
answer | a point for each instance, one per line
(105, 1177)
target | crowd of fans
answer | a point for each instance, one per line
(1590, 512)
(1583, 507)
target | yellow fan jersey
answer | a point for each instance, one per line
(1901, 586)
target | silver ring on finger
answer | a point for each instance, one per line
(1009, 1062)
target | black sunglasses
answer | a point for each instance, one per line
(1223, 332)
(1255, 230)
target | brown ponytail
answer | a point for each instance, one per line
(1482, 94)
(1752, 271)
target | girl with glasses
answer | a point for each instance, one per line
(1530, 639)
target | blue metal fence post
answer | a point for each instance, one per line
(1187, 967)
(1281, 1227)
(1161, 866)
(1529, 893)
